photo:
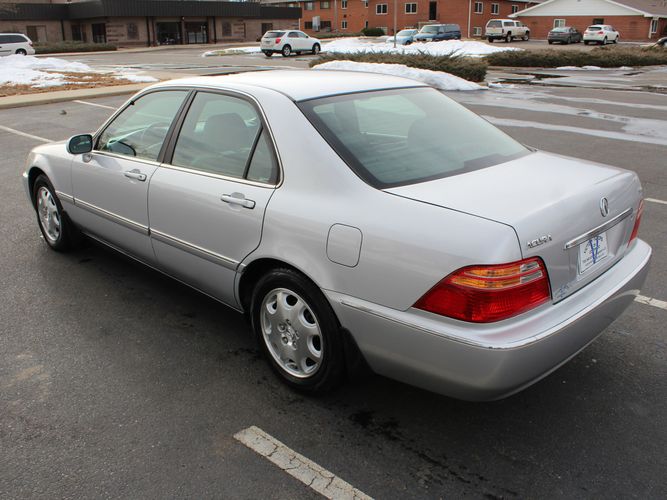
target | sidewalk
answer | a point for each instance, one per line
(68, 95)
(138, 50)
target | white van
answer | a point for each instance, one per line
(15, 43)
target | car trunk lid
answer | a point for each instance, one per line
(554, 204)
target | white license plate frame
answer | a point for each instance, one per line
(592, 251)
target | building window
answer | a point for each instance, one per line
(479, 7)
(495, 8)
(477, 31)
(381, 8)
(132, 31)
(308, 25)
(515, 9)
(654, 26)
(343, 4)
(410, 8)
(559, 23)
(366, 5)
(324, 4)
(343, 24)
(598, 20)
(365, 24)
(226, 28)
(308, 6)
(384, 29)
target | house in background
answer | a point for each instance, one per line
(634, 19)
(144, 22)
(351, 16)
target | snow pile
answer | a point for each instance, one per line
(437, 79)
(29, 70)
(134, 78)
(231, 51)
(578, 68)
(445, 48)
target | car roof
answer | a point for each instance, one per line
(300, 85)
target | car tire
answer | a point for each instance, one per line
(267, 53)
(490, 40)
(604, 42)
(21, 52)
(550, 42)
(508, 38)
(408, 42)
(297, 331)
(616, 39)
(586, 42)
(316, 49)
(526, 37)
(58, 231)
(287, 51)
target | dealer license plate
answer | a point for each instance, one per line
(592, 251)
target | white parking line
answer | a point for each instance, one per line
(23, 134)
(298, 466)
(95, 104)
(653, 200)
(661, 304)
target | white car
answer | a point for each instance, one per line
(506, 29)
(15, 43)
(288, 42)
(602, 34)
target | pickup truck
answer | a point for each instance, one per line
(506, 29)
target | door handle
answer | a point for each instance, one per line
(135, 174)
(238, 199)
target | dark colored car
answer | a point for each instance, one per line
(564, 34)
(438, 32)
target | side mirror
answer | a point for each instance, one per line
(80, 144)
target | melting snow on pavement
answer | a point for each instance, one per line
(445, 48)
(437, 79)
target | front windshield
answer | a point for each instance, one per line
(429, 29)
(405, 32)
(404, 136)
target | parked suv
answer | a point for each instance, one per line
(601, 33)
(506, 29)
(438, 32)
(15, 43)
(288, 42)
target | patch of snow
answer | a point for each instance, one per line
(232, 50)
(30, 70)
(136, 78)
(626, 68)
(448, 47)
(437, 79)
(579, 68)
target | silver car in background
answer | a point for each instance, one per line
(348, 220)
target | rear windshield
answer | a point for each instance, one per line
(405, 136)
(494, 24)
(273, 34)
(429, 29)
(594, 28)
(560, 30)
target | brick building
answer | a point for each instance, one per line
(144, 22)
(352, 16)
(634, 19)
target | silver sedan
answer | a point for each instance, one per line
(356, 217)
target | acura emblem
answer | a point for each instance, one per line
(604, 207)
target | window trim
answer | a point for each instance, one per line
(386, 9)
(556, 25)
(515, 9)
(173, 138)
(495, 9)
(343, 24)
(410, 12)
(481, 8)
(343, 4)
(655, 22)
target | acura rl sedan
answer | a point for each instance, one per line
(349, 222)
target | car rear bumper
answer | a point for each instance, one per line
(492, 361)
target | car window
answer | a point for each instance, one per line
(507, 23)
(595, 28)
(494, 24)
(218, 135)
(273, 34)
(263, 165)
(140, 129)
(396, 137)
(3, 39)
(302, 35)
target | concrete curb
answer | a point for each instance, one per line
(69, 95)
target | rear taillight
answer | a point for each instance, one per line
(30, 43)
(638, 221)
(600, 32)
(277, 41)
(483, 294)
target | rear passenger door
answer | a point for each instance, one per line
(5, 48)
(207, 200)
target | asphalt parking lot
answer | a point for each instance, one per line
(118, 382)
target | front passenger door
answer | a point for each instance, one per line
(110, 184)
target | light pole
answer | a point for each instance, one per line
(395, 11)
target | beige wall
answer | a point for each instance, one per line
(52, 28)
